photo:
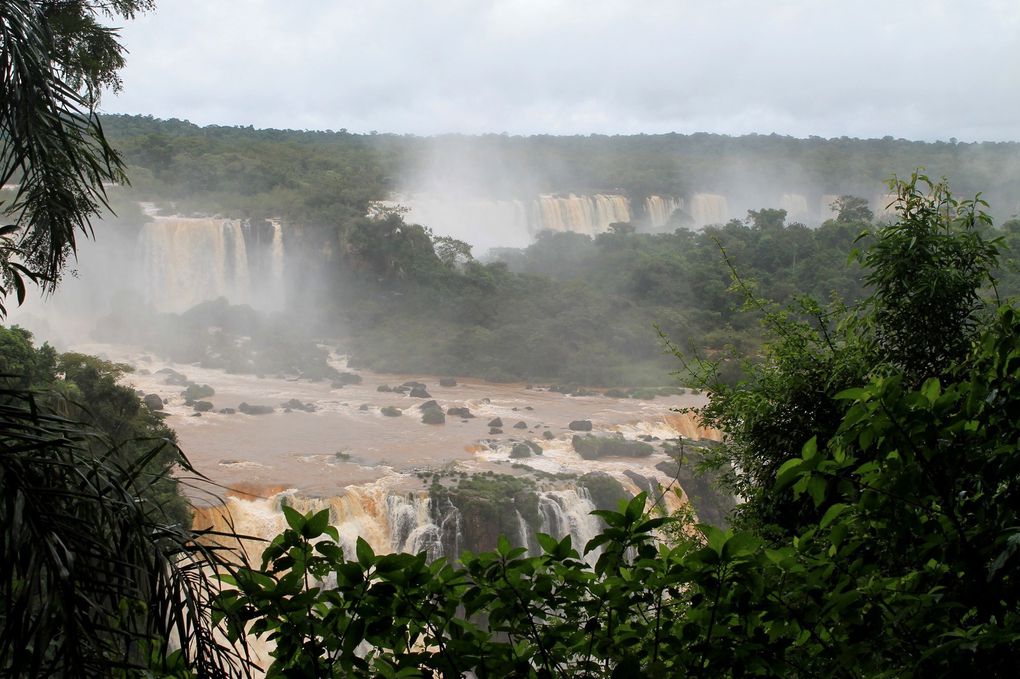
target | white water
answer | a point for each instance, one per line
(709, 208)
(659, 209)
(183, 261)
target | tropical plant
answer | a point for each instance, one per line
(55, 56)
(96, 578)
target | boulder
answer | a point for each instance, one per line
(391, 411)
(202, 406)
(548, 435)
(463, 413)
(419, 392)
(384, 387)
(295, 404)
(433, 416)
(195, 392)
(153, 402)
(580, 425)
(521, 425)
(347, 378)
(535, 448)
(363, 406)
(249, 409)
(520, 450)
(430, 404)
(447, 382)
(496, 422)
(174, 378)
(495, 430)
(411, 384)
(227, 411)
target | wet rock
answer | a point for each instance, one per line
(486, 400)
(495, 430)
(411, 384)
(528, 408)
(227, 411)
(345, 378)
(295, 404)
(391, 411)
(520, 450)
(202, 406)
(590, 447)
(364, 406)
(459, 412)
(496, 422)
(433, 416)
(521, 425)
(153, 402)
(174, 378)
(447, 382)
(535, 448)
(419, 392)
(194, 392)
(196, 414)
(580, 425)
(430, 404)
(249, 409)
(384, 387)
(548, 435)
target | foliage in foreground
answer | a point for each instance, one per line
(96, 578)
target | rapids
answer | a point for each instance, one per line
(370, 470)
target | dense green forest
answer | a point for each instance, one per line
(570, 308)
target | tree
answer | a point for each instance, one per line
(55, 57)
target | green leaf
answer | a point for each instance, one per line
(832, 513)
(364, 552)
(316, 525)
(294, 518)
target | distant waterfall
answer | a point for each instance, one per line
(708, 208)
(580, 214)
(659, 209)
(796, 207)
(185, 261)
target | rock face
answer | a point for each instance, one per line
(447, 382)
(153, 402)
(496, 422)
(580, 425)
(462, 413)
(249, 409)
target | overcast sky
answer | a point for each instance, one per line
(919, 70)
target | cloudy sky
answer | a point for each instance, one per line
(920, 70)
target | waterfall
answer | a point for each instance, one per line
(825, 206)
(184, 261)
(796, 207)
(393, 521)
(579, 213)
(660, 209)
(709, 208)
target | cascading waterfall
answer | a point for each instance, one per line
(708, 208)
(659, 209)
(392, 521)
(580, 214)
(185, 261)
(796, 207)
